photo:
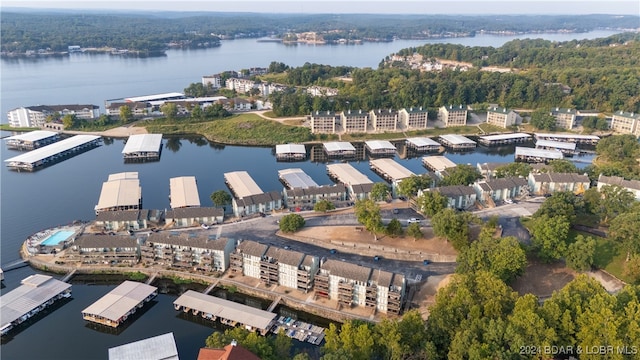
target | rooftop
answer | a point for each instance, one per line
(438, 163)
(619, 181)
(548, 154)
(184, 192)
(284, 256)
(189, 212)
(252, 248)
(556, 144)
(161, 347)
(123, 176)
(191, 240)
(143, 143)
(347, 270)
(567, 136)
(505, 183)
(561, 178)
(347, 174)
(120, 300)
(455, 190)
(504, 137)
(391, 168)
(380, 145)
(290, 148)
(456, 139)
(119, 193)
(33, 135)
(423, 141)
(242, 184)
(338, 146)
(296, 178)
(44, 152)
(155, 97)
(93, 241)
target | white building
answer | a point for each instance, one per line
(214, 81)
(36, 116)
(453, 115)
(633, 186)
(502, 117)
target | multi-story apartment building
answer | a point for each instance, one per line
(632, 186)
(384, 119)
(453, 115)
(137, 108)
(625, 123)
(306, 198)
(385, 291)
(502, 117)
(565, 118)
(103, 249)
(240, 85)
(548, 183)
(324, 122)
(247, 257)
(36, 116)
(187, 251)
(213, 81)
(354, 121)
(413, 118)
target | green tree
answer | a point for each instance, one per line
(220, 198)
(354, 340)
(562, 166)
(170, 110)
(69, 121)
(368, 214)
(259, 345)
(632, 269)
(580, 253)
(543, 120)
(624, 148)
(454, 226)
(282, 345)
(409, 187)
(302, 356)
(323, 206)
(394, 228)
(515, 169)
(197, 113)
(625, 229)
(598, 324)
(291, 223)
(196, 90)
(549, 236)
(125, 114)
(431, 203)
(414, 231)
(380, 191)
(614, 200)
(503, 257)
(526, 325)
(462, 174)
(561, 203)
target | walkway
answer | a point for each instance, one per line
(69, 275)
(274, 303)
(211, 287)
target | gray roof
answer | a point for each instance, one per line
(161, 347)
(456, 139)
(548, 154)
(120, 300)
(347, 270)
(192, 240)
(415, 110)
(497, 109)
(619, 181)
(362, 188)
(122, 215)
(288, 257)
(290, 148)
(506, 183)
(91, 241)
(563, 145)
(252, 248)
(561, 178)
(194, 212)
(44, 152)
(381, 278)
(338, 146)
(505, 136)
(143, 143)
(259, 198)
(491, 166)
(226, 309)
(61, 108)
(296, 178)
(455, 190)
(380, 145)
(324, 189)
(34, 291)
(33, 135)
(423, 141)
(566, 136)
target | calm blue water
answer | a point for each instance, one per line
(57, 238)
(69, 190)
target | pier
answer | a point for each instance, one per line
(115, 307)
(53, 153)
(296, 179)
(421, 144)
(339, 149)
(536, 155)
(274, 303)
(347, 174)
(575, 138)
(380, 148)
(68, 276)
(32, 140)
(437, 163)
(144, 147)
(503, 139)
(566, 148)
(36, 293)
(457, 142)
(151, 278)
(291, 152)
(211, 287)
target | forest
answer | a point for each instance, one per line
(23, 31)
(601, 74)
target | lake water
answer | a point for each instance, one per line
(69, 190)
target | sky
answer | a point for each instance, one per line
(463, 7)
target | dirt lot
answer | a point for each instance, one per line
(543, 279)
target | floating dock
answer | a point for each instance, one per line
(184, 192)
(422, 144)
(296, 179)
(457, 142)
(380, 148)
(437, 163)
(390, 170)
(114, 308)
(339, 149)
(121, 191)
(566, 148)
(536, 155)
(347, 174)
(32, 140)
(291, 152)
(53, 153)
(299, 330)
(503, 139)
(157, 347)
(575, 138)
(36, 293)
(143, 147)
(242, 184)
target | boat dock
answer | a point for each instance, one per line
(291, 152)
(339, 149)
(503, 139)
(143, 147)
(299, 330)
(457, 142)
(575, 138)
(437, 163)
(296, 179)
(36, 293)
(115, 307)
(347, 174)
(53, 153)
(32, 140)
(380, 148)
(390, 170)
(536, 155)
(566, 148)
(422, 144)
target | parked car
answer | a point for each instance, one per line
(395, 211)
(204, 226)
(333, 251)
(426, 262)
(413, 220)
(376, 258)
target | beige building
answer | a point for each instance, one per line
(413, 118)
(187, 251)
(103, 249)
(625, 123)
(502, 117)
(384, 119)
(354, 121)
(565, 118)
(453, 115)
(324, 122)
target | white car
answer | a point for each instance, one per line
(204, 226)
(508, 201)
(413, 220)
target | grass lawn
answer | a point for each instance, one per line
(608, 256)
(492, 129)
(6, 127)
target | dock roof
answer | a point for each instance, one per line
(226, 309)
(155, 97)
(438, 163)
(120, 300)
(33, 135)
(556, 144)
(567, 136)
(423, 141)
(456, 139)
(119, 193)
(34, 291)
(338, 146)
(391, 168)
(548, 154)
(296, 178)
(123, 176)
(184, 192)
(347, 174)
(290, 149)
(380, 145)
(242, 184)
(505, 136)
(44, 152)
(143, 143)
(154, 348)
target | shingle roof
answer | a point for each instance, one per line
(506, 183)
(194, 212)
(347, 270)
(320, 190)
(259, 198)
(122, 215)
(201, 241)
(561, 178)
(619, 181)
(252, 248)
(288, 257)
(455, 190)
(90, 241)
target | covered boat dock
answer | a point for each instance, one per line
(296, 179)
(121, 191)
(390, 170)
(437, 163)
(229, 312)
(536, 155)
(53, 153)
(115, 307)
(290, 152)
(567, 148)
(143, 147)
(36, 293)
(503, 139)
(380, 148)
(457, 142)
(242, 184)
(578, 139)
(347, 174)
(184, 192)
(422, 144)
(339, 149)
(32, 140)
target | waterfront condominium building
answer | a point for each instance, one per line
(324, 122)
(453, 115)
(502, 117)
(354, 121)
(215, 81)
(625, 123)
(384, 119)
(565, 118)
(413, 118)
(36, 116)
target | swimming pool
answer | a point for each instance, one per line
(57, 238)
